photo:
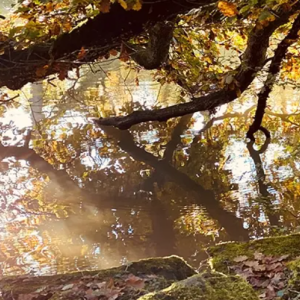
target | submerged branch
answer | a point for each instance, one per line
(252, 61)
(274, 69)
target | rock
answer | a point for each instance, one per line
(206, 286)
(223, 255)
(123, 283)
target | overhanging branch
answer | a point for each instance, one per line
(274, 69)
(99, 35)
(252, 61)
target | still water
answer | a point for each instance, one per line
(74, 196)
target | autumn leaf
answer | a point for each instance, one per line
(113, 52)
(63, 74)
(124, 56)
(123, 4)
(41, 71)
(67, 287)
(227, 9)
(137, 5)
(105, 6)
(135, 282)
(55, 29)
(258, 256)
(81, 54)
(240, 258)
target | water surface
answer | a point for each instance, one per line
(74, 196)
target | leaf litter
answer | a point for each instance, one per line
(92, 288)
(267, 274)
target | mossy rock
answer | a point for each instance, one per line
(222, 255)
(293, 288)
(160, 273)
(206, 286)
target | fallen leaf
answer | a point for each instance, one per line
(258, 256)
(135, 282)
(67, 287)
(240, 258)
(278, 266)
(259, 268)
(26, 296)
(283, 257)
(270, 293)
(101, 285)
(251, 263)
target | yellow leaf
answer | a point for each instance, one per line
(123, 4)
(137, 5)
(49, 6)
(227, 9)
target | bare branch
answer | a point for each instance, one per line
(274, 69)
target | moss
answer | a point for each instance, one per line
(294, 280)
(166, 269)
(206, 286)
(171, 268)
(222, 255)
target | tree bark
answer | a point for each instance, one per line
(253, 60)
(97, 36)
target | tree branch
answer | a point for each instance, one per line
(157, 50)
(252, 61)
(98, 36)
(274, 69)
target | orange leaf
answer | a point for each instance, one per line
(124, 56)
(81, 54)
(137, 5)
(113, 52)
(63, 74)
(105, 6)
(227, 9)
(55, 29)
(135, 282)
(41, 71)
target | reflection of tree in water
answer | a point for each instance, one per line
(150, 191)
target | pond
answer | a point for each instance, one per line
(75, 196)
